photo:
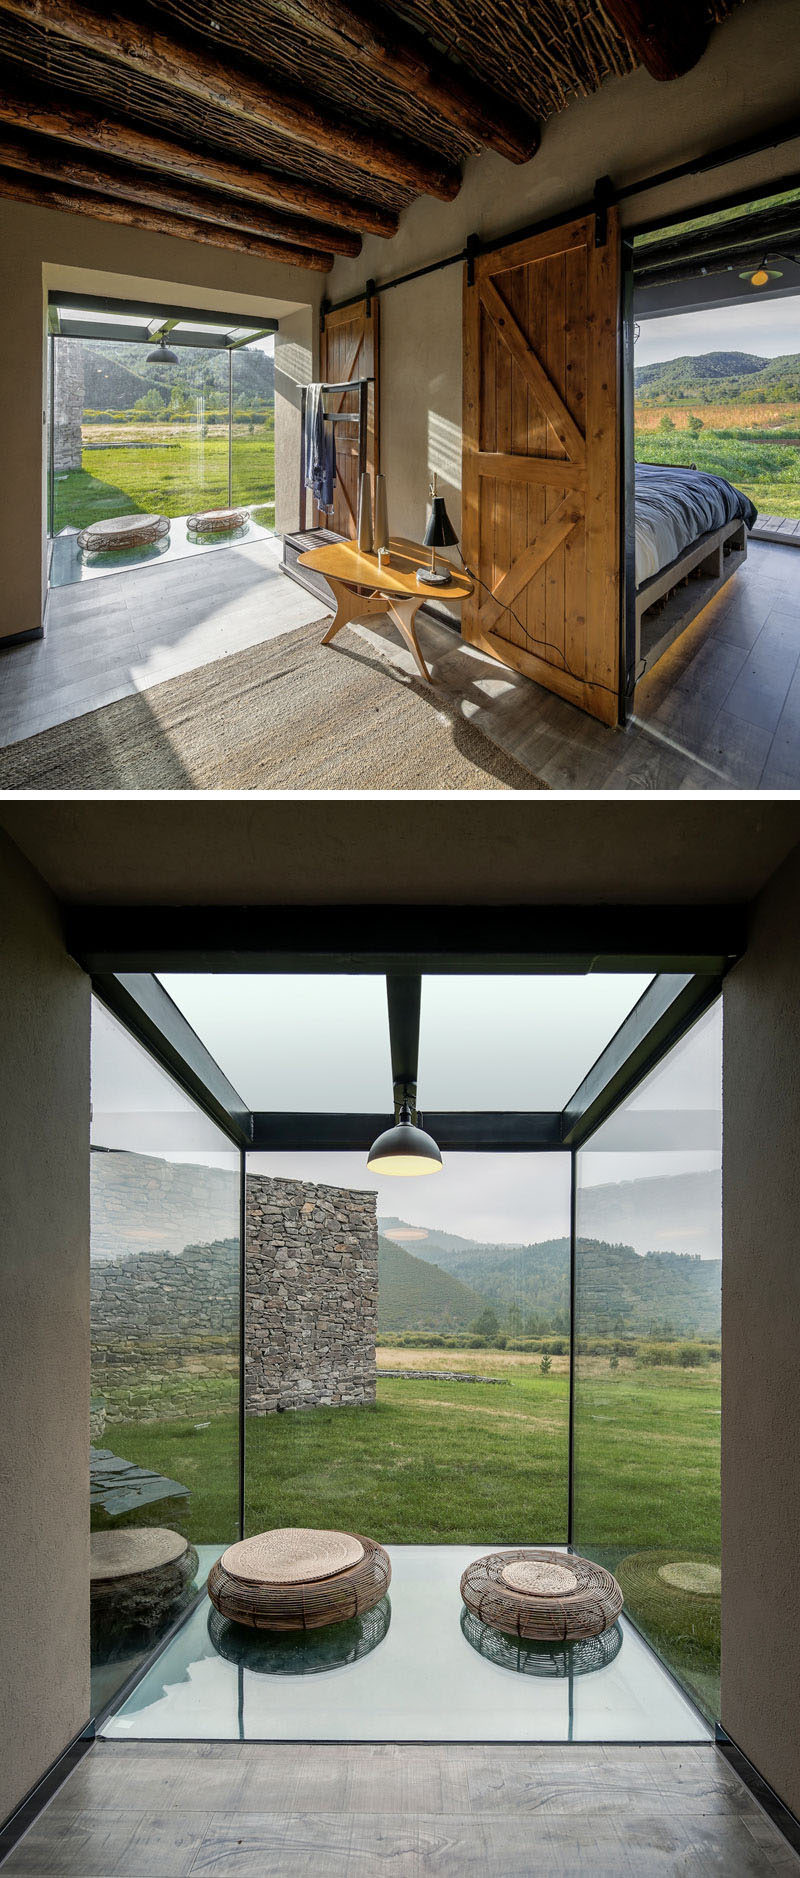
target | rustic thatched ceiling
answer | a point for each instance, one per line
(328, 111)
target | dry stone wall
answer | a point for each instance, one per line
(67, 405)
(165, 1312)
(312, 1295)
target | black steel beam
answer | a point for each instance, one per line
(406, 940)
(404, 997)
(147, 1010)
(144, 309)
(668, 1008)
(467, 1133)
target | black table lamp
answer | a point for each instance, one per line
(439, 533)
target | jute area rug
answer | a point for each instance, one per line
(286, 714)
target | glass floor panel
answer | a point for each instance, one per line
(69, 564)
(115, 1658)
(414, 1669)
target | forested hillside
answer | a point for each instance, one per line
(415, 1295)
(719, 377)
(619, 1290)
(117, 376)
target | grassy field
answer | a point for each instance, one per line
(478, 1464)
(144, 468)
(755, 447)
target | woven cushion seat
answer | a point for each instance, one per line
(547, 1596)
(139, 1573)
(299, 1578)
(123, 531)
(216, 521)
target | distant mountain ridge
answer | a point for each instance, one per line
(414, 1294)
(714, 376)
(620, 1288)
(117, 375)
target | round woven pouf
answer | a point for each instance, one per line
(138, 1574)
(217, 521)
(123, 531)
(547, 1596)
(299, 1578)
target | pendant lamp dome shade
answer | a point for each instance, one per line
(405, 1149)
(162, 355)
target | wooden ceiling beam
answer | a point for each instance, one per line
(158, 192)
(391, 48)
(191, 68)
(48, 195)
(666, 36)
(111, 137)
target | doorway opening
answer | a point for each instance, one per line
(712, 473)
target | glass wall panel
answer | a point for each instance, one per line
(165, 1285)
(647, 1367)
(253, 429)
(132, 438)
(407, 1345)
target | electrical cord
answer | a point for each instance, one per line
(537, 645)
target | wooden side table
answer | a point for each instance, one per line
(361, 589)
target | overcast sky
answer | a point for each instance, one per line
(769, 329)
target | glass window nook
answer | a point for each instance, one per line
(521, 1352)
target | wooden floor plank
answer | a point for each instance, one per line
(301, 1811)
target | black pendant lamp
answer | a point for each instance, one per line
(404, 1149)
(162, 354)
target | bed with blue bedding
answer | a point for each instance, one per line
(691, 537)
(674, 507)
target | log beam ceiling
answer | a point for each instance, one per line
(111, 137)
(668, 37)
(44, 195)
(387, 46)
(73, 155)
(188, 67)
(160, 192)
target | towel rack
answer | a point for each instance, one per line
(360, 386)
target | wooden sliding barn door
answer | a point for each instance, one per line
(541, 460)
(348, 351)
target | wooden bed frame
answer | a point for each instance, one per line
(668, 602)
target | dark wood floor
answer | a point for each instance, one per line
(720, 711)
(162, 1810)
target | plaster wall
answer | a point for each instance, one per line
(748, 80)
(44, 1334)
(761, 1339)
(44, 249)
(296, 362)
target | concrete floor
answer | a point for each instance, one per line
(163, 1810)
(720, 711)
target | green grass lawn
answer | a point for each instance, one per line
(767, 471)
(438, 1462)
(167, 478)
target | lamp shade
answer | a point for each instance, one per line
(162, 354)
(440, 532)
(405, 1149)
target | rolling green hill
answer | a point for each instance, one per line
(619, 1288)
(416, 1295)
(717, 377)
(117, 375)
